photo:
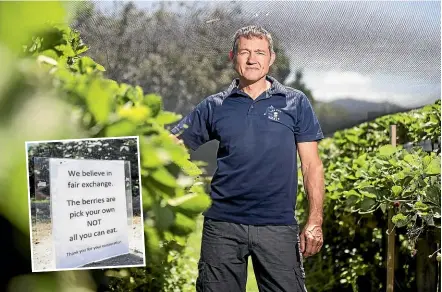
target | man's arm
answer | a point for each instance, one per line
(311, 238)
(194, 130)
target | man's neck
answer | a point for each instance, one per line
(256, 88)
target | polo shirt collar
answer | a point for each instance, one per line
(275, 88)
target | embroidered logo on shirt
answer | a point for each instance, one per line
(273, 113)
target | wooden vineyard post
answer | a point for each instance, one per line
(391, 231)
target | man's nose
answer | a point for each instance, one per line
(251, 59)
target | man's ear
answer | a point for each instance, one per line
(231, 55)
(272, 58)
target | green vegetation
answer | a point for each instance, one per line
(365, 178)
(172, 198)
(52, 66)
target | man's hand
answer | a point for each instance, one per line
(311, 239)
(176, 140)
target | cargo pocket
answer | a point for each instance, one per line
(209, 278)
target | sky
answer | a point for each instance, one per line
(370, 50)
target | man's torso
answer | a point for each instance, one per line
(255, 181)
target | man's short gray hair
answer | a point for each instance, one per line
(250, 32)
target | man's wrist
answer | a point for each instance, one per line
(315, 220)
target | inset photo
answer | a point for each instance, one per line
(85, 204)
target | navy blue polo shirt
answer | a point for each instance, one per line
(256, 177)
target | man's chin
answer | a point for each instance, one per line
(252, 78)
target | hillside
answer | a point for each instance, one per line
(347, 112)
(361, 108)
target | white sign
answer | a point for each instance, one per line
(89, 211)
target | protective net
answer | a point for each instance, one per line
(179, 49)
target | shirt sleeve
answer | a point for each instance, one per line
(307, 128)
(194, 129)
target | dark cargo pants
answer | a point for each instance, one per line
(225, 249)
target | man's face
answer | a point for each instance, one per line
(253, 58)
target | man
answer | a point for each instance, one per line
(260, 125)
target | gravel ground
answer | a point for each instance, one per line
(43, 255)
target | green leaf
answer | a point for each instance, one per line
(363, 184)
(154, 102)
(433, 194)
(26, 18)
(181, 200)
(393, 162)
(399, 220)
(361, 161)
(420, 206)
(183, 225)
(153, 244)
(351, 200)
(396, 190)
(147, 199)
(164, 217)
(98, 99)
(99, 67)
(165, 118)
(120, 128)
(192, 204)
(353, 138)
(368, 204)
(360, 173)
(153, 157)
(87, 65)
(410, 159)
(181, 240)
(399, 175)
(48, 40)
(161, 189)
(137, 114)
(434, 167)
(387, 150)
(67, 50)
(50, 53)
(189, 168)
(426, 160)
(351, 193)
(369, 194)
(162, 176)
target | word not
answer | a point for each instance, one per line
(89, 173)
(93, 184)
(94, 222)
(92, 234)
